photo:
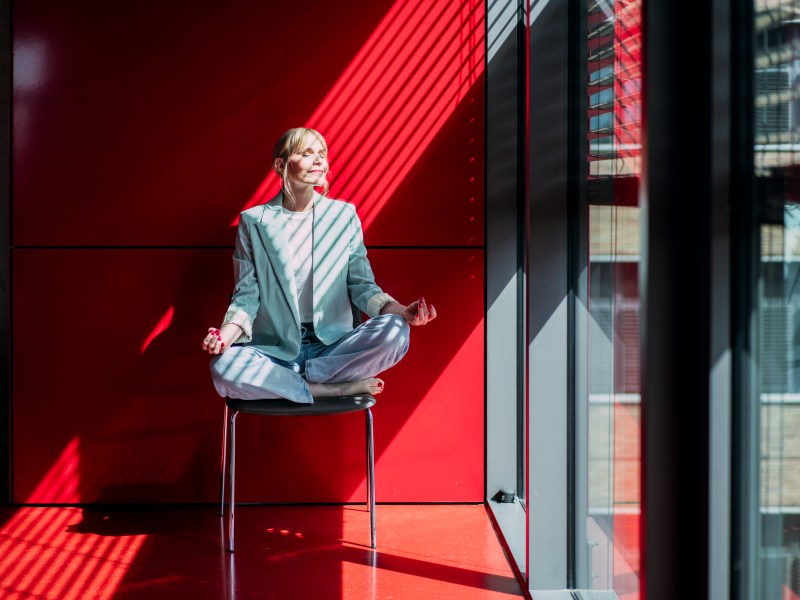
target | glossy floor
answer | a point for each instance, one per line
(304, 552)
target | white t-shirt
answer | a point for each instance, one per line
(299, 233)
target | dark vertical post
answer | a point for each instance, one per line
(744, 273)
(521, 182)
(232, 478)
(223, 460)
(684, 200)
(5, 251)
(577, 281)
(371, 480)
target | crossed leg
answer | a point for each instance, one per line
(345, 368)
(351, 364)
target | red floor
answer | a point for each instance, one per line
(304, 552)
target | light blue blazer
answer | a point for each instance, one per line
(264, 301)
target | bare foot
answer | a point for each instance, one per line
(372, 386)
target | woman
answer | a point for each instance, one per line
(300, 264)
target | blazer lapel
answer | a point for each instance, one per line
(271, 231)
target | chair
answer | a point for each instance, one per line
(286, 408)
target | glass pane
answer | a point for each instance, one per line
(776, 116)
(613, 399)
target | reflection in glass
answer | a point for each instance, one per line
(613, 399)
(776, 115)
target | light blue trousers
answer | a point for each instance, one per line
(247, 373)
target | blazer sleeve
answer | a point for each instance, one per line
(361, 286)
(245, 298)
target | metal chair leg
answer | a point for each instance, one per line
(371, 479)
(223, 464)
(231, 478)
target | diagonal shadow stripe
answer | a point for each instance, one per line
(416, 54)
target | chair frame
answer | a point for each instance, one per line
(229, 447)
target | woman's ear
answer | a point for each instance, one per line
(278, 165)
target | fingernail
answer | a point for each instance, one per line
(223, 343)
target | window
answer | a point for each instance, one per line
(607, 356)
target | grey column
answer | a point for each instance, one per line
(548, 302)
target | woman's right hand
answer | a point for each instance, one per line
(219, 340)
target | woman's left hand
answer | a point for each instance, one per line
(419, 313)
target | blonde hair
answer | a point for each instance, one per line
(293, 142)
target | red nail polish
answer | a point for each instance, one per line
(223, 343)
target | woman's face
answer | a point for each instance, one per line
(308, 167)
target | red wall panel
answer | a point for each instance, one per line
(139, 134)
(153, 124)
(138, 422)
(98, 418)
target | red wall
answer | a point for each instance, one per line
(139, 133)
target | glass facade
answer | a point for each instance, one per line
(680, 346)
(611, 395)
(776, 128)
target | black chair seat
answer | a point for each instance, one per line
(322, 406)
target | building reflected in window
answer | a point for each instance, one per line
(776, 116)
(612, 379)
